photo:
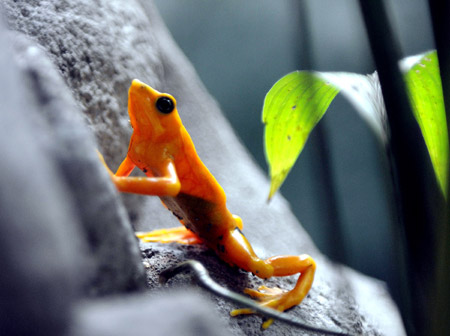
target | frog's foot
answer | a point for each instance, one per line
(179, 235)
(274, 298)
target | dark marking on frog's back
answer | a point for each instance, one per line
(221, 248)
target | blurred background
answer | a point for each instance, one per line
(339, 188)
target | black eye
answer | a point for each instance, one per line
(165, 105)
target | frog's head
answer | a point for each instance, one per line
(151, 112)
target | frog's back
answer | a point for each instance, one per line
(196, 179)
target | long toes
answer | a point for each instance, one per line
(177, 235)
(267, 323)
(264, 293)
(256, 294)
(271, 290)
(242, 311)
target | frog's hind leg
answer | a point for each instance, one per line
(179, 235)
(241, 254)
(275, 297)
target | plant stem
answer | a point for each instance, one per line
(440, 13)
(418, 197)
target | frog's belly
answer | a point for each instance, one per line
(206, 219)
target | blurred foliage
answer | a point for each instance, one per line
(296, 103)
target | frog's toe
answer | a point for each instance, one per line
(274, 298)
(247, 311)
(263, 292)
(174, 235)
(241, 311)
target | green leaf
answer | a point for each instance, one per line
(287, 129)
(297, 102)
(292, 107)
(425, 92)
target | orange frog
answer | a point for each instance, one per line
(161, 147)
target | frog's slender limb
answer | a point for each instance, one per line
(166, 185)
(149, 186)
(241, 254)
(125, 168)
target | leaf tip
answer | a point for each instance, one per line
(275, 184)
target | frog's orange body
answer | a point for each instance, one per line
(161, 147)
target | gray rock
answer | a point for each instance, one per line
(98, 49)
(181, 313)
(41, 252)
(340, 298)
(58, 128)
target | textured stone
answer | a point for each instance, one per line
(98, 48)
(58, 128)
(181, 313)
(340, 298)
(40, 267)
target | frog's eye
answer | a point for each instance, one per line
(165, 105)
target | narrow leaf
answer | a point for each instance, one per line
(292, 107)
(425, 92)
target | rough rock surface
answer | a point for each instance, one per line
(97, 48)
(59, 130)
(178, 312)
(38, 263)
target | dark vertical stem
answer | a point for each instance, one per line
(416, 192)
(334, 231)
(440, 15)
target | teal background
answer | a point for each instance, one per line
(340, 187)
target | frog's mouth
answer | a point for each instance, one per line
(141, 108)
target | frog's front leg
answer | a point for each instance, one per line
(167, 185)
(238, 251)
